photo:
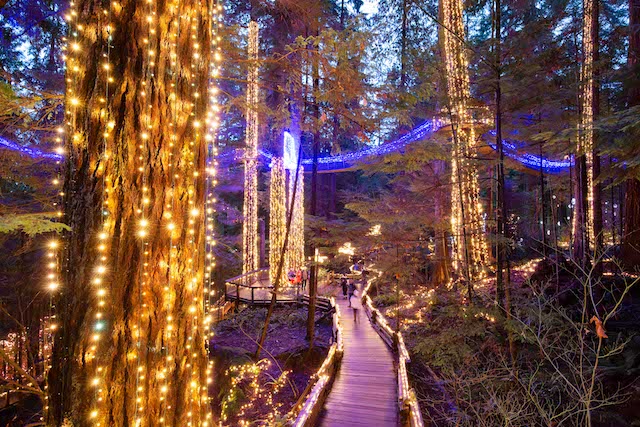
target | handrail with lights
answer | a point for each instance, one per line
(407, 400)
(312, 399)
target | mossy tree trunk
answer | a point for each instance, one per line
(151, 361)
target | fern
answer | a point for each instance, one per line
(31, 224)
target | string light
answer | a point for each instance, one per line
(168, 221)
(277, 218)
(169, 352)
(295, 252)
(258, 389)
(406, 395)
(48, 325)
(470, 248)
(250, 258)
(213, 123)
(323, 375)
(585, 134)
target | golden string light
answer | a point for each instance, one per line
(48, 325)
(194, 352)
(295, 251)
(323, 375)
(470, 250)
(164, 217)
(277, 218)
(250, 258)
(75, 69)
(213, 123)
(144, 211)
(101, 267)
(258, 389)
(165, 369)
(585, 134)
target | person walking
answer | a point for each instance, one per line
(355, 304)
(305, 277)
(343, 283)
(351, 290)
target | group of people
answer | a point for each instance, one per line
(298, 277)
(351, 292)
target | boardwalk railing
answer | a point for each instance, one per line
(312, 399)
(255, 288)
(218, 310)
(407, 401)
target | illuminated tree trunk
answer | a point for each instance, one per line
(277, 219)
(134, 195)
(250, 256)
(598, 237)
(588, 214)
(631, 237)
(470, 248)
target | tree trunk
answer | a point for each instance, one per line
(313, 282)
(403, 46)
(580, 190)
(631, 235)
(502, 288)
(149, 168)
(598, 237)
(442, 264)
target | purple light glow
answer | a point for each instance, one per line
(346, 161)
(34, 153)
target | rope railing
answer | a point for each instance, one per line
(407, 400)
(312, 399)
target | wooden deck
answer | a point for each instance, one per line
(365, 390)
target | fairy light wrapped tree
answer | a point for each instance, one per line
(140, 122)
(470, 253)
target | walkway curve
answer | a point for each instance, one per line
(365, 391)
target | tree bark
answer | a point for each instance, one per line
(154, 281)
(403, 46)
(631, 230)
(313, 282)
(502, 288)
(598, 237)
(580, 190)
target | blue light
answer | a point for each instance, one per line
(31, 152)
(532, 161)
(291, 150)
(348, 160)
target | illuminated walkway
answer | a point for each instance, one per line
(365, 389)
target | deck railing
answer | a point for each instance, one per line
(254, 287)
(312, 399)
(408, 403)
(218, 310)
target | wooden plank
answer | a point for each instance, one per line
(365, 390)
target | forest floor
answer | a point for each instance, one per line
(461, 366)
(265, 391)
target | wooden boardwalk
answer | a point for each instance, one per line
(365, 389)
